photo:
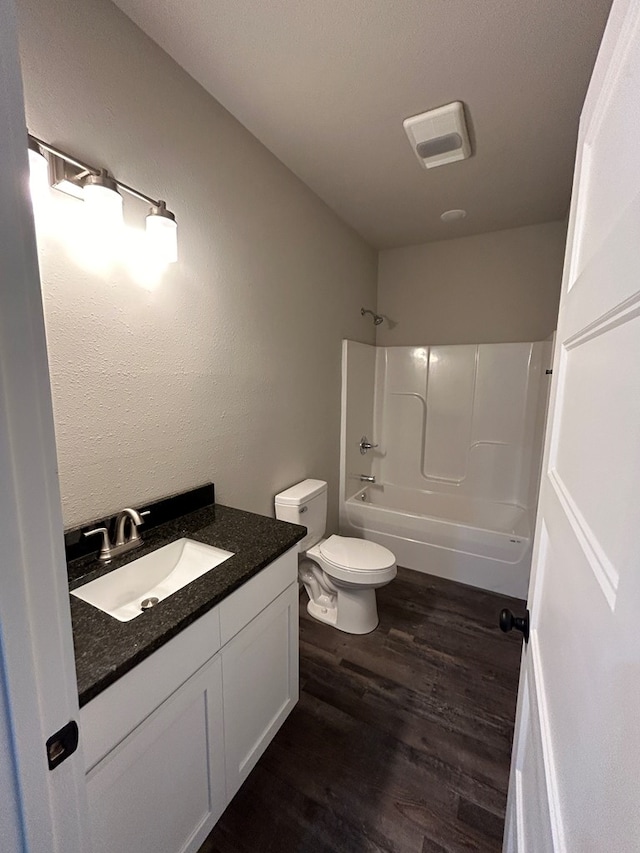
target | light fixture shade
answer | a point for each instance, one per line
(162, 234)
(38, 172)
(104, 201)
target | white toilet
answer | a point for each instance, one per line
(340, 574)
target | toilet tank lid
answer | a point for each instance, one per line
(301, 493)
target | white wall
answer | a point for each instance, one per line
(489, 288)
(229, 369)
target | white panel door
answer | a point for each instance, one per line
(575, 776)
(41, 810)
(260, 684)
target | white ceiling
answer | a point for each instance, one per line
(325, 85)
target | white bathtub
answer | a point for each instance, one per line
(481, 543)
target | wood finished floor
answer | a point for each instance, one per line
(401, 740)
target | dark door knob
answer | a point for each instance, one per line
(521, 623)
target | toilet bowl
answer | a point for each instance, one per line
(339, 573)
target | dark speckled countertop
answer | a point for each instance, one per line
(106, 648)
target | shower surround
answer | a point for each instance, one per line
(457, 469)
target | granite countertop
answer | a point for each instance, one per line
(106, 648)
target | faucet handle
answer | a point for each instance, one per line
(105, 549)
(365, 445)
(135, 523)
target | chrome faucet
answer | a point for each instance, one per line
(134, 537)
(364, 478)
(107, 550)
(365, 445)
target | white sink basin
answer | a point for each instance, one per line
(120, 593)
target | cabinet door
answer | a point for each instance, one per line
(260, 684)
(162, 789)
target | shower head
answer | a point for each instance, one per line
(377, 319)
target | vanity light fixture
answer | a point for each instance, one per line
(162, 233)
(65, 175)
(102, 193)
(105, 202)
(38, 170)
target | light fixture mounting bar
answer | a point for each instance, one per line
(86, 169)
(58, 152)
(137, 193)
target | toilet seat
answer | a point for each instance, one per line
(355, 562)
(357, 555)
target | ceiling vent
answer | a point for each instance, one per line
(439, 136)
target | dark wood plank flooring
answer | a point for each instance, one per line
(401, 740)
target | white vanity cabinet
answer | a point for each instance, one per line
(163, 787)
(169, 744)
(259, 684)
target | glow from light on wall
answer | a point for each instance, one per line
(142, 264)
(64, 223)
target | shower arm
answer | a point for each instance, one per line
(377, 319)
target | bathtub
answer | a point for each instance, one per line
(481, 543)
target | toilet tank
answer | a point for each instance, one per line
(305, 503)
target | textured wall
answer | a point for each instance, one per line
(490, 288)
(229, 368)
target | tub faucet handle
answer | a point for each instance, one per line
(365, 478)
(366, 445)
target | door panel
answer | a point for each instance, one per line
(575, 784)
(597, 454)
(610, 139)
(532, 810)
(37, 674)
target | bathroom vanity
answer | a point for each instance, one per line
(178, 704)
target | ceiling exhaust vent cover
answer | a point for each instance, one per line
(439, 136)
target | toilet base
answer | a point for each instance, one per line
(327, 615)
(348, 605)
(353, 611)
